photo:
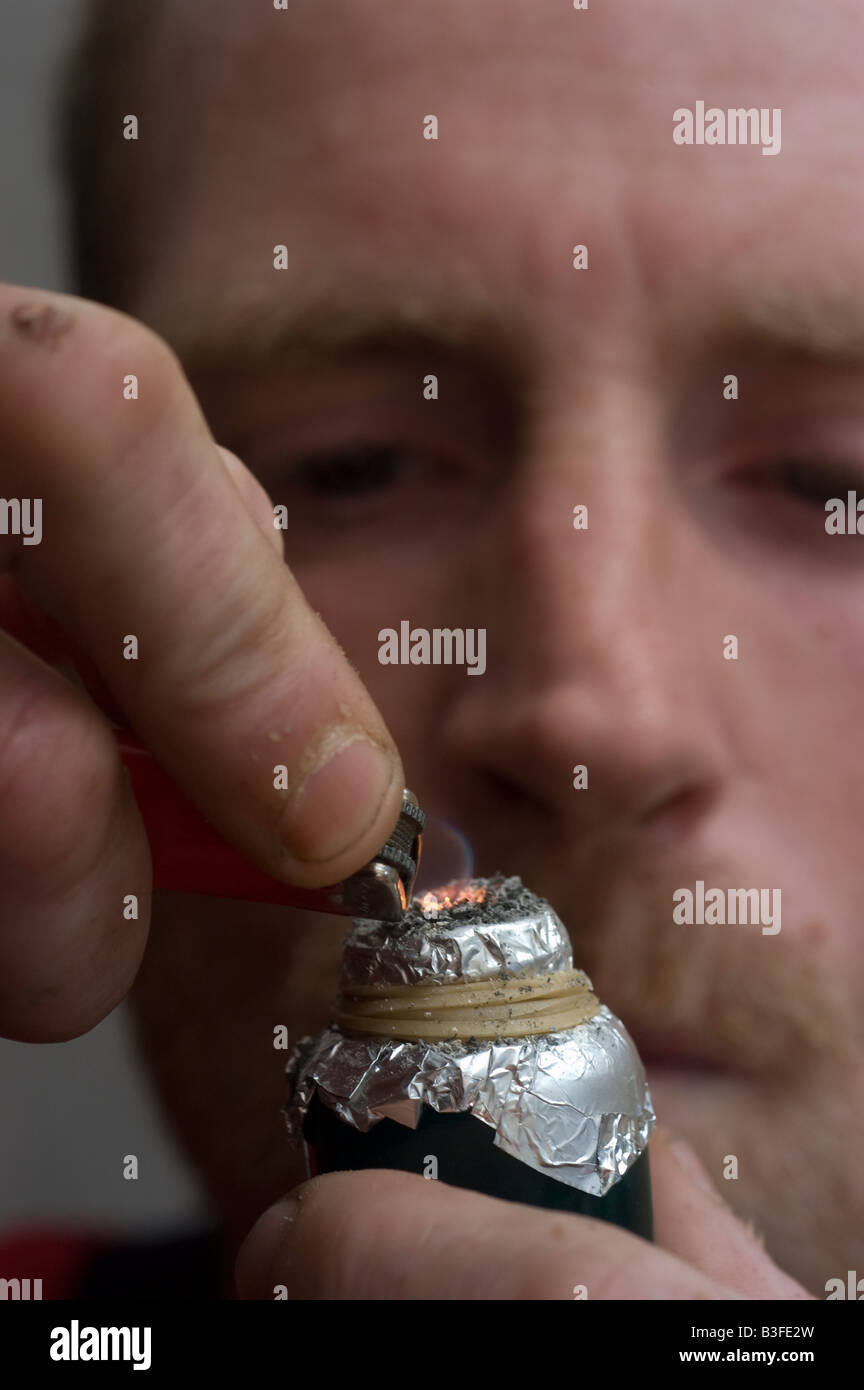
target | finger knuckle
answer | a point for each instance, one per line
(231, 663)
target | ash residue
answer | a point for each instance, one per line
(511, 932)
(506, 900)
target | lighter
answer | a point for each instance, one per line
(189, 856)
(464, 1046)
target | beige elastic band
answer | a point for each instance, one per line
(520, 1007)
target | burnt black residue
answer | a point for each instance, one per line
(506, 900)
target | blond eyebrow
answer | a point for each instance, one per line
(316, 326)
(796, 321)
(834, 332)
(323, 323)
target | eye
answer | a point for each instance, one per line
(807, 480)
(358, 488)
(352, 472)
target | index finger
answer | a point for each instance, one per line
(151, 562)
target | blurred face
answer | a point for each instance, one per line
(735, 763)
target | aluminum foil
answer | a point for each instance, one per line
(513, 932)
(573, 1105)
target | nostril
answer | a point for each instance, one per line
(674, 813)
(512, 795)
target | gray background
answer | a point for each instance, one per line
(69, 1112)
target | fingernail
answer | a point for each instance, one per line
(261, 1254)
(339, 799)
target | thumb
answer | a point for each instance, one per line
(692, 1221)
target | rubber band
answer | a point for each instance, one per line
(519, 1007)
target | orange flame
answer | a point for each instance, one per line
(452, 894)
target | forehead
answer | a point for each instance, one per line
(304, 127)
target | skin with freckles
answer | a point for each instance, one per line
(557, 387)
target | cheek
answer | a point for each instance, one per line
(358, 597)
(814, 662)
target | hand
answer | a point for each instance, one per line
(389, 1235)
(149, 531)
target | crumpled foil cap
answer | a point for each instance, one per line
(573, 1104)
(510, 932)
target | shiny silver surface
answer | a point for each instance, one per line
(383, 888)
(574, 1105)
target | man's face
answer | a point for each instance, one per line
(607, 647)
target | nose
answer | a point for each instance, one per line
(604, 647)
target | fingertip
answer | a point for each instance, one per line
(262, 1250)
(344, 810)
(689, 1162)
